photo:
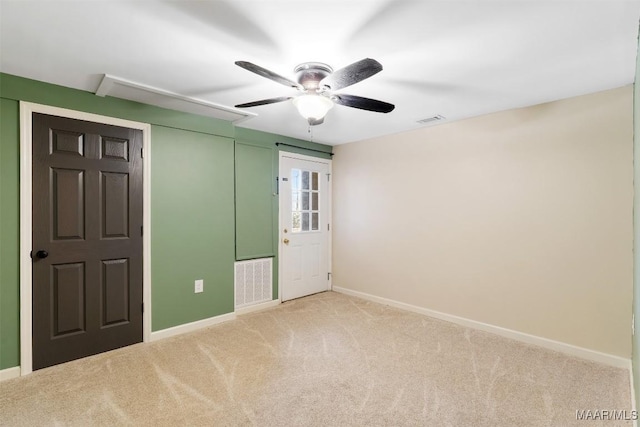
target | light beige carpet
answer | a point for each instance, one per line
(324, 360)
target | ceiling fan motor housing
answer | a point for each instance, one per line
(309, 74)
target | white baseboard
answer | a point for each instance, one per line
(9, 373)
(634, 407)
(190, 327)
(257, 307)
(583, 353)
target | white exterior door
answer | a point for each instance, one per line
(305, 193)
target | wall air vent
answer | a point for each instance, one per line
(252, 282)
(431, 119)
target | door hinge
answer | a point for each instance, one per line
(328, 177)
(142, 230)
(142, 308)
(142, 153)
(328, 227)
(328, 276)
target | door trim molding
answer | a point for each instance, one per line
(329, 162)
(26, 219)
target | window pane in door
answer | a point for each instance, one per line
(305, 200)
(295, 201)
(314, 221)
(314, 201)
(314, 181)
(295, 222)
(305, 180)
(305, 221)
(295, 179)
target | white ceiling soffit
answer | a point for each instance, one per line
(126, 89)
(449, 58)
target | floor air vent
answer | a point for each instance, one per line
(252, 282)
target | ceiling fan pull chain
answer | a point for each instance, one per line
(310, 133)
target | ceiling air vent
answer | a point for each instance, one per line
(431, 119)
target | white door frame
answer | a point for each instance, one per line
(281, 212)
(26, 218)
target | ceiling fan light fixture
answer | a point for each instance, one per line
(313, 107)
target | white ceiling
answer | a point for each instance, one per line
(454, 58)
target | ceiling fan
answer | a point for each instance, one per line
(317, 82)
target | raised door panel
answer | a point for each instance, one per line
(114, 148)
(68, 204)
(66, 143)
(115, 204)
(314, 260)
(68, 299)
(115, 292)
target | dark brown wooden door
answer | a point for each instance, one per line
(87, 238)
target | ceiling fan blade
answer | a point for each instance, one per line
(351, 74)
(264, 102)
(268, 74)
(363, 103)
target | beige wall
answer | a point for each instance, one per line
(520, 219)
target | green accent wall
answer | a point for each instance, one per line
(255, 197)
(193, 203)
(192, 226)
(9, 235)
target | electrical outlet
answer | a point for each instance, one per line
(199, 286)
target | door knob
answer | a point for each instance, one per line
(42, 254)
(285, 241)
